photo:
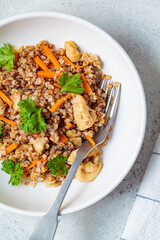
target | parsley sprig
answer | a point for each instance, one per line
(71, 84)
(14, 169)
(1, 127)
(6, 56)
(57, 166)
(32, 120)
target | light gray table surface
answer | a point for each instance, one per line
(135, 25)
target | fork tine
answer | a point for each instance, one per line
(107, 89)
(115, 101)
(103, 83)
(109, 100)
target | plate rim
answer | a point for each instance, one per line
(105, 35)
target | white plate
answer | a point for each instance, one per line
(121, 152)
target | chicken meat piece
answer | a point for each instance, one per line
(16, 98)
(77, 141)
(72, 157)
(2, 151)
(40, 144)
(72, 51)
(22, 148)
(83, 115)
(2, 107)
(87, 172)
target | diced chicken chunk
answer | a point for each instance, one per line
(77, 141)
(73, 133)
(2, 151)
(2, 107)
(95, 152)
(22, 148)
(72, 51)
(84, 116)
(72, 156)
(40, 144)
(87, 172)
(17, 49)
(16, 98)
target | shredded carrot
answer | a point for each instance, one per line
(16, 57)
(42, 160)
(70, 63)
(70, 125)
(24, 174)
(85, 84)
(33, 164)
(57, 85)
(6, 99)
(90, 139)
(51, 56)
(63, 138)
(59, 103)
(41, 64)
(10, 122)
(51, 65)
(48, 74)
(11, 147)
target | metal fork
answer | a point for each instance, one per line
(46, 229)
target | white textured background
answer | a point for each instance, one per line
(135, 25)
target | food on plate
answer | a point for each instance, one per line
(50, 102)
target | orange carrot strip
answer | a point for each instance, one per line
(48, 74)
(70, 63)
(42, 160)
(70, 125)
(85, 84)
(51, 65)
(59, 103)
(57, 85)
(6, 99)
(10, 122)
(33, 164)
(16, 57)
(41, 64)
(63, 138)
(24, 174)
(11, 147)
(51, 56)
(90, 139)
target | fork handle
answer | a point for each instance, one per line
(46, 229)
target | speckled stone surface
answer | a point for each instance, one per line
(135, 25)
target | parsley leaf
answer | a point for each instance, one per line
(14, 169)
(32, 120)
(71, 84)
(6, 56)
(1, 127)
(57, 166)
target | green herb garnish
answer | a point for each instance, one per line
(14, 169)
(71, 84)
(57, 166)
(32, 120)
(1, 127)
(6, 56)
